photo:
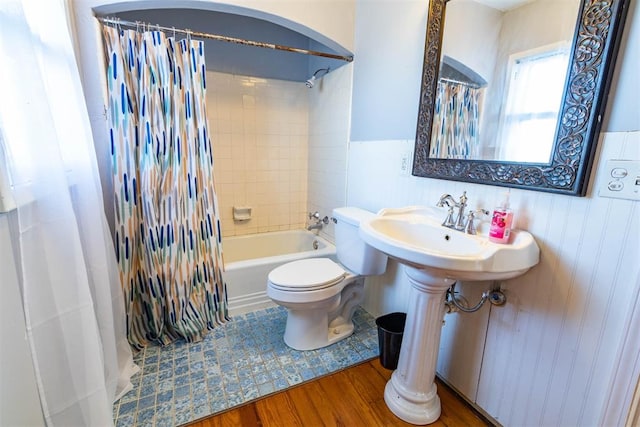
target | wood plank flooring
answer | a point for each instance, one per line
(352, 397)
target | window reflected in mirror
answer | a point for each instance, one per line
(501, 54)
(530, 115)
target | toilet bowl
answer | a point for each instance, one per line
(321, 295)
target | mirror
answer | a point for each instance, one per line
(502, 103)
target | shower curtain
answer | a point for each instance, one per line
(57, 232)
(454, 133)
(167, 234)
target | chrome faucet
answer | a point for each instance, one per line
(316, 226)
(319, 223)
(447, 199)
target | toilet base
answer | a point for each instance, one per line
(313, 328)
(308, 331)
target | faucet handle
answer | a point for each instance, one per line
(448, 221)
(463, 198)
(470, 227)
(314, 215)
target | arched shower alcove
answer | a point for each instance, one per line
(239, 22)
(313, 25)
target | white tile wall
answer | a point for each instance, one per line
(259, 131)
(329, 121)
(555, 353)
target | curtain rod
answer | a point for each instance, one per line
(460, 82)
(218, 37)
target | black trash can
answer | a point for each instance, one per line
(390, 330)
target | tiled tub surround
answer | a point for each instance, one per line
(239, 361)
(259, 132)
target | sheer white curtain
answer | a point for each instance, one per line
(70, 288)
(533, 100)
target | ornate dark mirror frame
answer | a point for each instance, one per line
(595, 45)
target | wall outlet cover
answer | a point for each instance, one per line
(621, 180)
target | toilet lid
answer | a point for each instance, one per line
(307, 274)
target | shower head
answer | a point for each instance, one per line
(312, 81)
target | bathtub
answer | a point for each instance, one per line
(249, 259)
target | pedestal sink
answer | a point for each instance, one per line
(435, 257)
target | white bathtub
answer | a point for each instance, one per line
(249, 259)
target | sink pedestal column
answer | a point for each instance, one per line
(411, 392)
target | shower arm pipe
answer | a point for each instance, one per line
(218, 37)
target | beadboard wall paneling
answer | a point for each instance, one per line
(626, 371)
(551, 354)
(554, 347)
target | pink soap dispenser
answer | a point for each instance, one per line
(501, 222)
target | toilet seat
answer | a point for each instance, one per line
(306, 275)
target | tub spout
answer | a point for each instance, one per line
(319, 222)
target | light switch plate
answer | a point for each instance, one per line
(621, 180)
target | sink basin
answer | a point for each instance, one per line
(414, 236)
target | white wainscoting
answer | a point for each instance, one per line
(560, 350)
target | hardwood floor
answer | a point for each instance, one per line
(352, 397)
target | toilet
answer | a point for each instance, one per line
(321, 295)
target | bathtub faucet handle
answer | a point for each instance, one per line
(317, 222)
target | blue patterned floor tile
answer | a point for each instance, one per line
(266, 388)
(131, 395)
(250, 393)
(200, 399)
(146, 417)
(182, 380)
(307, 374)
(146, 402)
(164, 397)
(182, 369)
(183, 417)
(235, 399)
(281, 384)
(181, 392)
(218, 406)
(165, 422)
(125, 421)
(199, 387)
(165, 374)
(237, 362)
(128, 408)
(165, 385)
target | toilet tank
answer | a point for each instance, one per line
(351, 250)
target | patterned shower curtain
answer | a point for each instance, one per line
(454, 134)
(167, 235)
